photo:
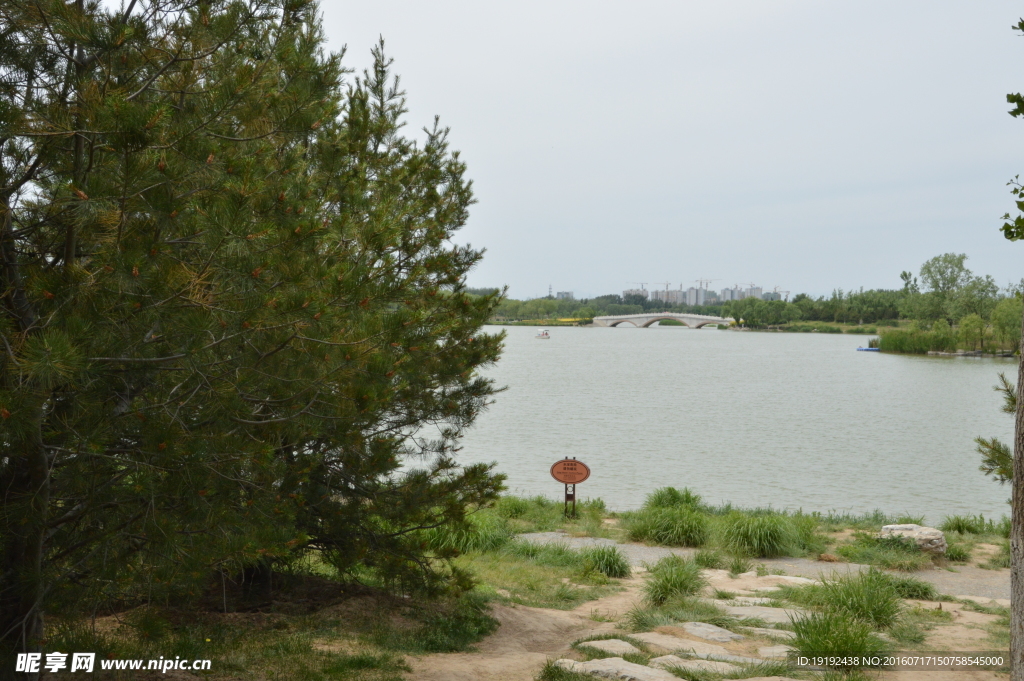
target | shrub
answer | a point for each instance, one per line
(835, 634)
(673, 526)
(671, 577)
(738, 565)
(670, 497)
(761, 536)
(607, 560)
(809, 540)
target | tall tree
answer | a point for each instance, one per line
(233, 322)
(1014, 231)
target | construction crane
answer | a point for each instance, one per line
(703, 283)
(640, 283)
(785, 293)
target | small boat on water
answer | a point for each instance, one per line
(868, 350)
(543, 335)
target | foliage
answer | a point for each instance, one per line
(870, 597)
(671, 577)
(958, 553)
(445, 627)
(709, 559)
(477, 532)
(760, 536)
(892, 553)
(836, 634)
(970, 524)
(235, 326)
(1006, 320)
(671, 526)
(997, 456)
(916, 341)
(676, 610)
(607, 560)
(670, 497)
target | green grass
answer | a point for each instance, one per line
(668, 526)
(1002, 560)
(916, 341)
(482, 531)
(958, 553)
(607, 560)
(670, 497)
(836, 634)
(892, 553)
(709, 559)
(552, 673)
(975, 524)
(449, 629)
(869, 597)
(679, 609)
(671, 577)
(760, 536)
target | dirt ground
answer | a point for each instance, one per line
(528, 637)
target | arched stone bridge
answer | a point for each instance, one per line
(694, 321)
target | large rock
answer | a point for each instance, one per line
(775, 651)
(709, 632)
(928, 539)
(612, 645)
(666, 661)
(616, 668)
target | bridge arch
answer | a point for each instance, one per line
(618, 322)
(655, 320)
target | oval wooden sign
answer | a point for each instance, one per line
(570, 471)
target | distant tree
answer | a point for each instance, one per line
(972, 331)
(946, 273)
(1006, 320)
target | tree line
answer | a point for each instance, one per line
(235, 331)
(944, 292)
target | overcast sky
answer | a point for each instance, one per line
(802, 144)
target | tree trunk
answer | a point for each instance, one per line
(1017, 531)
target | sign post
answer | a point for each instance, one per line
(570, 472)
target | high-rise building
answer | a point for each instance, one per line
(754, 292)
(670, 297)
(564, 295)
(643, 293)
(695, 296)
(771, 295)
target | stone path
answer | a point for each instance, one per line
(960, 580)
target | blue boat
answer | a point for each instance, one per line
(868, 350)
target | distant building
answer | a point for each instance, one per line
(670, 297)
(754, 292)
(643, 293)
(733, 294)
(695, 296)
(772, 295)
(564, 295)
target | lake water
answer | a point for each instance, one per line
(758, 419)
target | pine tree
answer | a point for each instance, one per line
(231, 311)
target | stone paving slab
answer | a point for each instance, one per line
(674, 643)
(777, 633)
(616, 668)
(612, 645)
(771, 615)
(713, 666)
(775, 651)
(710, 632)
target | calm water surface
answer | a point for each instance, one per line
(786, 420)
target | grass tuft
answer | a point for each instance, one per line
(761, 536)
(835, 634)
(670, 497)
(671, 526)
(607, 560)
(892, 553)
(672, 577)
